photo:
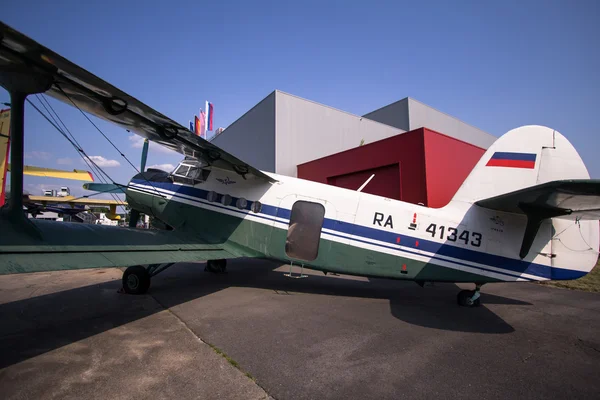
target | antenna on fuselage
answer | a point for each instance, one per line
(366, 183)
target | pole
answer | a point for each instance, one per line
(17, 117)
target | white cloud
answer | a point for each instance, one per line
(64, 161)
(164, 167)
(137, 142)
(103, 162)
(38, 155)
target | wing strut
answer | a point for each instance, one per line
(20, 81)
(536, 214)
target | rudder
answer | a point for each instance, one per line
(523, 157)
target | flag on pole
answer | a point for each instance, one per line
(192, 129)
(197, 126)
(206, 114)
(210, 117)
(202, 124)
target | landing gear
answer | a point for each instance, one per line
(216, 266)
(136, 279)
(470, 298)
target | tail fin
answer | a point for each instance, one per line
(534, 171)
(523, 157)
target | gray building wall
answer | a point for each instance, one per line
(395, 114)
(251, 138)
(421, 115)
(283, 130)
(306, 131)
(410, 114)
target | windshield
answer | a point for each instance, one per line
(190, 172)
(182, 170)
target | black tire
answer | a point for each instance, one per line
(136, 280)
(216, 266)
(464, 296)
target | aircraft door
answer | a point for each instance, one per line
(304, 230)
(297, 236)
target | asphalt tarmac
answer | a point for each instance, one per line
(71, 335)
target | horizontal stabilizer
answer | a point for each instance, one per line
(105, 187)
(570, 199)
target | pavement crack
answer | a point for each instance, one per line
(215, 349)
(528, 357)
(586, 344)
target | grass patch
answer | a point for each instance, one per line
(588, 283)
(230, 361)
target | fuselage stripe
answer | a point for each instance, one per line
(277, 214)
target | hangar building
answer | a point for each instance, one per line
(418, 154)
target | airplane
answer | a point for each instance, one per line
(527, 212)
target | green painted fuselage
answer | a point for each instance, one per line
(345, 246)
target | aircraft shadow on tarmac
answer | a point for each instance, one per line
(40, 324)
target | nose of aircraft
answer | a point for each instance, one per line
(142, 189)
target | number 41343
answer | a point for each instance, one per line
(454, 234)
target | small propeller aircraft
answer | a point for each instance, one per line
(527, 212)
(65, 204)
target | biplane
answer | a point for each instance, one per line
(527, 212)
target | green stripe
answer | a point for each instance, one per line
(250, 238)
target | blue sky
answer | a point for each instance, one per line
(495, 65)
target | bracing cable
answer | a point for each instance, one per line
(82, 152)
(105, 137)
(97, 170)
(89, 162)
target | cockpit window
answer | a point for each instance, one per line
(191, 172)
(182, 170)
(194, 173)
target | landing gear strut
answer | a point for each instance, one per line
(216, 266)
(470, 298)
(136, 279)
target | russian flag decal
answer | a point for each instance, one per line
(512, 160)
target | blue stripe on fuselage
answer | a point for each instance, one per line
(506, 263)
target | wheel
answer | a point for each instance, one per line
(216, 266)
(464, 299)
(136, 280)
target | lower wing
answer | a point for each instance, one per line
(48, 246)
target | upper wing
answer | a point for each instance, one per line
(579, 198)
(74, 200)
(74, 85)
(76, 174)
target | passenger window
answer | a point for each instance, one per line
(304, 231)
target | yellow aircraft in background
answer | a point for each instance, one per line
(78, 175)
